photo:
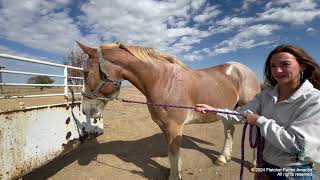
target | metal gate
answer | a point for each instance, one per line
(32, 136)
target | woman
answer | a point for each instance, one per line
(287, 113)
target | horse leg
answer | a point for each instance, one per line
(227, 146)
(174, 136)
(254, 159)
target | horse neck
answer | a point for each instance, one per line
(142, 75)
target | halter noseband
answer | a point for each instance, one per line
(105, 79)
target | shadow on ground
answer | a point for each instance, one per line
(139, 152)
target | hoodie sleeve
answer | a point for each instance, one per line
(301, 139)
(252, 106)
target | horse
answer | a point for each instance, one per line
(162, 78)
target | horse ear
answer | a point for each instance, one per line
(86, 49)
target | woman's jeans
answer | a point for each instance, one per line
(299, 172)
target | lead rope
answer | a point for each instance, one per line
(175, 106)
(259, 144)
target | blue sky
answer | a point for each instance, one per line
(200, 33)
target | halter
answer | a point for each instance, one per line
(105, 79)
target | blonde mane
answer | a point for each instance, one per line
(147, 54)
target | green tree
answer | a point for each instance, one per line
(39, 79)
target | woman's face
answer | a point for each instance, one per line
(285, 68)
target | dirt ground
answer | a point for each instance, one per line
(6, 104)
(133, 148)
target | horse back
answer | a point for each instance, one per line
(245, 79)
(235, 76)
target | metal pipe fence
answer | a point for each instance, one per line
(65, 77)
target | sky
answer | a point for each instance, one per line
(200, 33)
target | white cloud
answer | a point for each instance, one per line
(294, 12)
(175, 27)
(296, 4)
(234, 21)
(196, 5)
(208, 13)
(178, 32)
(46, 25)
(230, 23)
(147, 23)
(39, 24)
(250, 37)
(310, 29)
(246, 4)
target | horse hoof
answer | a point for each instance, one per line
(218, 162)
(252, 168)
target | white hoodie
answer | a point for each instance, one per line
(291, 128)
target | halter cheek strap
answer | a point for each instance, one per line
(105, 79)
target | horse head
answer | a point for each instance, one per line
(101, 84)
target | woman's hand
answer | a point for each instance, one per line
(203, 108)
(251, 118)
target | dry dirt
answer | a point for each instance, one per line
(133, 148)
(6, 104)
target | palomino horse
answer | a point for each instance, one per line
(166, 80)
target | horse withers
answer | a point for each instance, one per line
(166, 80)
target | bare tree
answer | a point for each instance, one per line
(75, 58)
